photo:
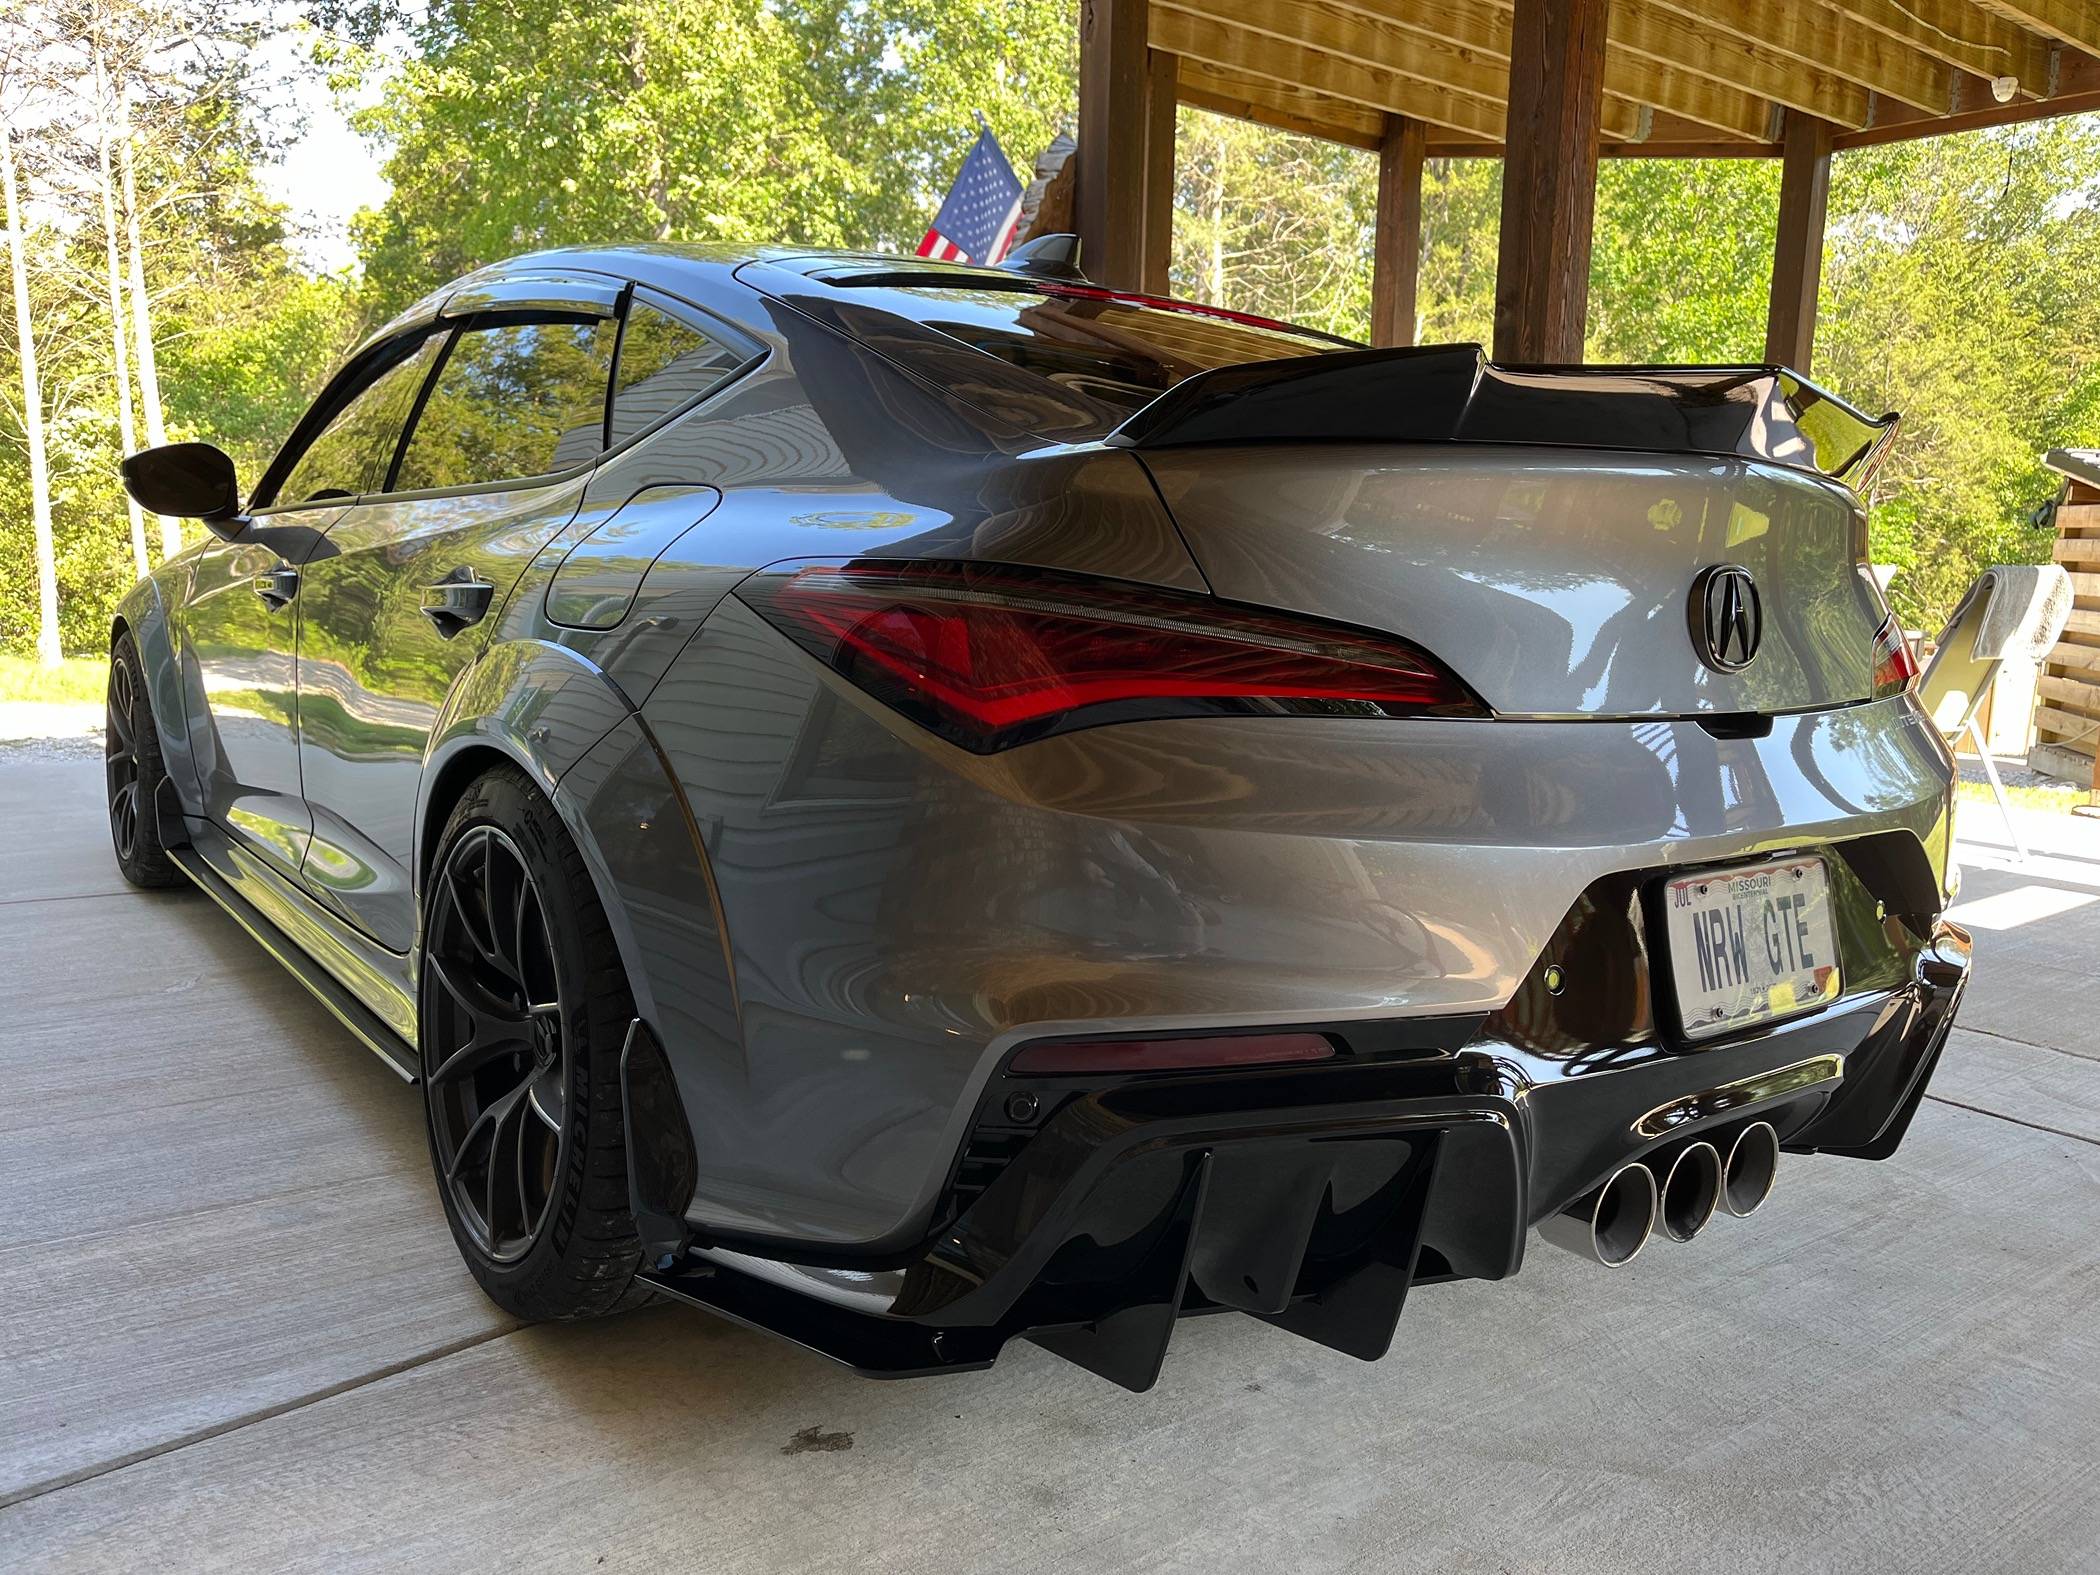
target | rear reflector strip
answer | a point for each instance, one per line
(1170, 1055)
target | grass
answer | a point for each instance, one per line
(76, 680)
(2057, 800)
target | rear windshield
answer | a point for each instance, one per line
(1118, 352)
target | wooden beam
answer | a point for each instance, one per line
(1283, 106)
(1668, 138)
(1664, 39)
(1111, 197)
(2073, 22)
(1713, 99)
(1817, 36)
(2077, 92)
(1549, 179)
(1962, 34)
(1396, 238)
(1161, 97)
(1797, 255)
(1356, 56)
(1251, 54)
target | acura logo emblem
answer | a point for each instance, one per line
(1727, 618)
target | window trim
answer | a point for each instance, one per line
(753, 354)
(358, 375)
(505, 316)
(587, 305)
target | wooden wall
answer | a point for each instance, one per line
(2068, 721)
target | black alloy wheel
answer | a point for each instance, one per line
(120, 760)
(134, 773)
(496, 1054)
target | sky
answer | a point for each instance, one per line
(329, 171)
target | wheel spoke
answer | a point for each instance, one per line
(124, 816)
(492, 1019)
(473, 1056)
(517, 933)
(467, 926)
(526, 1222)
(546, 1116)
(492, 1117)
(120, 701)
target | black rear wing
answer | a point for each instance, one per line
(1454, 394)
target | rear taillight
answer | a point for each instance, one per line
(1895, 668)
(989, 657)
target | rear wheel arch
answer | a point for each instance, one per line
(449, 781)
(453, 776)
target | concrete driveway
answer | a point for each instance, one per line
(237, 1334)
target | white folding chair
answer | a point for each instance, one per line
(2013, 610)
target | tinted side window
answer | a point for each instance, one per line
(511, 400)
(664, 364)
(353, 451)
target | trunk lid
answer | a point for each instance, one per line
(1554, 583)
(1558, 536)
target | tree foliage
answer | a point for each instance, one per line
(528, 123)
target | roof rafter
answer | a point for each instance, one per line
(1961, 33)
(1819, 37)
(1285, 107)
(2073, 22)
(1660, 36)
(1714, 100)
(1425, 96)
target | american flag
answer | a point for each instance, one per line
(976, 223)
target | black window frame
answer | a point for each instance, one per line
(501, 317)
(359, 374)
(749, 351)
(375, 360)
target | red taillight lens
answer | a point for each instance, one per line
(1895, 668)
(991, 657)
(1170, 1055)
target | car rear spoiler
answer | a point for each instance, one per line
(1454, 394)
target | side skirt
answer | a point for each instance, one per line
(345, 1007)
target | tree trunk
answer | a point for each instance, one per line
(121, 360)
(142, 320)
(47, 651)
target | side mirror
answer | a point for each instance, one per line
(189, 481)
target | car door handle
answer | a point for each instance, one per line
(457, 601)
(277, 586)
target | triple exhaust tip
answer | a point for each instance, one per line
(1678, 1190)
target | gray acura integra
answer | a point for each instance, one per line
(910, 804)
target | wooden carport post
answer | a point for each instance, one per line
(1396, 239)
(1549, 179)
(1112, 139)
(1797, 255)
(1162, 96)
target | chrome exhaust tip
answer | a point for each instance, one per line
(1690, 1190)
(1609, 1225)
(1751, 1168)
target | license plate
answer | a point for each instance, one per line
(1750, 945)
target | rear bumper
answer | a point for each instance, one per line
(1314, 1198)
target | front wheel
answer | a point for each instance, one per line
(524, 1009)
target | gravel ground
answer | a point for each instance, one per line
(49, 730)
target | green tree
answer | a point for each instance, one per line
(809, 122)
